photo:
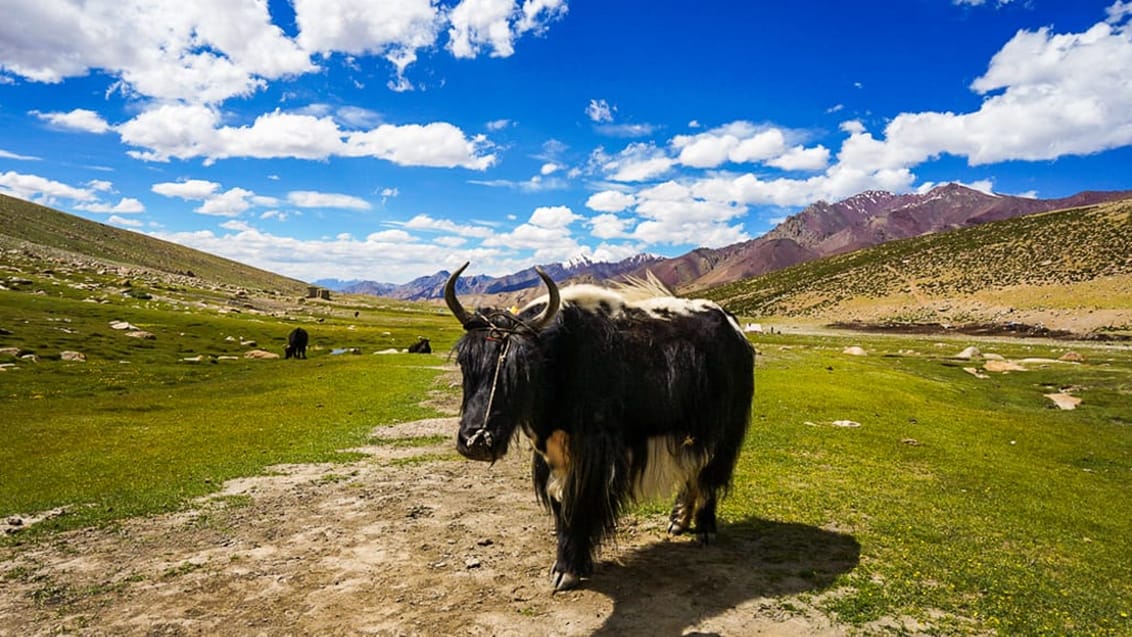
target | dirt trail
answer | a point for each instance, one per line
(409, 541)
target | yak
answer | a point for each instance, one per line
(621, 399)
(422, 346)
(296, 344)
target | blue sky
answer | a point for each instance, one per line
(385, 140)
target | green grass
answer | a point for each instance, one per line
(971, 497)
(977, 506)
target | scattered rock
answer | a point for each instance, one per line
(854, 351)
(911, 442)
(73, 356)
(261, 354)
(846, 423)
(1064, 401)
(13, 351)
(193, 359)
(122, 325)
(248, 344)
(969, 353)
(1072, 357)
(974, 371)
(994, 357)
(141, 334)
(1003, 366)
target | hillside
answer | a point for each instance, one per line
(1069, 269)
(861, 221)
(46, 232)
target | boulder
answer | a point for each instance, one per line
(260, 354)
(969, 353)
(1072, 357)
(854, 351)
(141, 334)
(78, 357)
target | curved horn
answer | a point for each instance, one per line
(450, 297)
(551, 304)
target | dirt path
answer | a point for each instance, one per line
(409, 541)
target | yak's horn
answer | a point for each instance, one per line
(450, 297)
(551, 304)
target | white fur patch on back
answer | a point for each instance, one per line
(592, 298)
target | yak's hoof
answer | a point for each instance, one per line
(706, 538)
(675, 528)
(563, 581)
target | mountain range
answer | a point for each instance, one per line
(823, 229)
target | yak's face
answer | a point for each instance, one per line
(502, 363)
(501, 366)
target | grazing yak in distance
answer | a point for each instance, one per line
(421, 346)
(296, 344)
(622, 400)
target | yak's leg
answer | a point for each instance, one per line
(680, 520)
(575, 541)
(575, 548)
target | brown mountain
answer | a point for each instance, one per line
(867, 219)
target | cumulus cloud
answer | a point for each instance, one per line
(426, 222)
(202, 51)
(600, 111)
(79, 119)
(41, 189)
(495, 24)
(190, 189)
(1047, 95)
(126, 205)
(637, 162)
(610, 201)
(312, 199)
(183, 131)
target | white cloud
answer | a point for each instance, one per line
(637, 162)
(610, 201)
(498, 125)
(230, 203)
(10, 155)
(204, 51)
(1047, 95)
(495, 24)
(438, 144)
(600, 111)
(187, 131)
(549, 168)
(79, 119)
(190, 189)
(389, 236)
(739, 142)
(312, 199)
(608, 226)
(41, 189)
(799, 158)
(553, 217)
(126, 205)
(425, 222)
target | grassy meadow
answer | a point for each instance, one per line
(977, 505)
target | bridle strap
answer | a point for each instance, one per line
(495, 378)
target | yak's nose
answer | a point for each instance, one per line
(476, 445)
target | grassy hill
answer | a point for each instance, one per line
(47, 232)
(1069, 269)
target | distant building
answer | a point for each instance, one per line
(315, 292)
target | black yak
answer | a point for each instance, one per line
(296, 344)
(421, 346)
(621, 399)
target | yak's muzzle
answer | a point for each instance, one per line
(478, 445)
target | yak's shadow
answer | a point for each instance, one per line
(664, 588)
